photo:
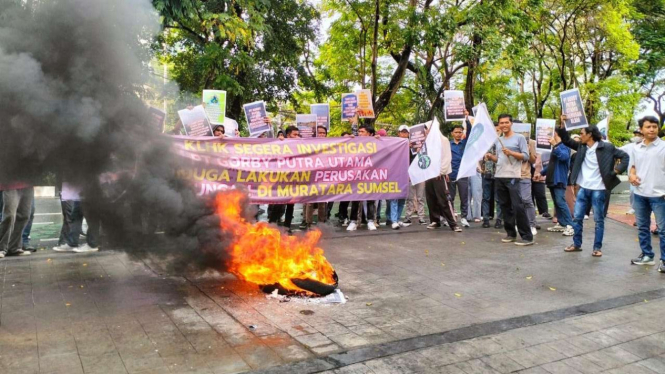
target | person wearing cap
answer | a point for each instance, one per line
(647, 175)
(415, 201)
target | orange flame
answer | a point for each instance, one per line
(261, 255)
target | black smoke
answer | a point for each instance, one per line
(72, 74)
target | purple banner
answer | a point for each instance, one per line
(297, 170)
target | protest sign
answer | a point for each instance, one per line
(544, 131)
(349, 106)
(427, 164)
(480, 140)
(545, 157)
(322, 112)
(214, 102)
(230, 127)
(523, 129)
(256, 114)
(156, 118)
(365, 104)
(417, 134)
(306, 124)
(571, 107)
(195, 122)
(296, 170)
(454, 106)
(604, 127)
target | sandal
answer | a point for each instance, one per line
(572, 248)
(597, 253)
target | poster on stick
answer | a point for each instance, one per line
(156, 118)
(571, 107)
(322, 112)
(454, 105)
(214, 102)
(306, 124)
(195, 122)
(417, 135)
(544, 131)
(256, 117)
(349, 106)
(523, 129)
(365, 104)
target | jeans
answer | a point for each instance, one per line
(595, 199)
(560, 206)
(16, 208)
(396, 208)
(513, 209)
(462, 186)
(416, 201)
(643, 207)
(539, 193)
(489, 197)
(475, 197)
(525, 192)
(28, 226)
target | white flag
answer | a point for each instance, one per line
(427, 164)
(604, 128)
(482, 137)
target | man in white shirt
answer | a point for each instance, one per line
(647, 175)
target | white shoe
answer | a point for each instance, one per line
(402, 224)
(568, 231)
(465, 223)
(396, 225)
(534, 231)
(352, 226)
(85, 248)
(586, 217)
(631, 211)
(556, 228)
(371, 226)
(346, 222)
(63, 248)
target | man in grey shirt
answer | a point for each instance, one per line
(511, 150)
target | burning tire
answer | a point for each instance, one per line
(310, 286)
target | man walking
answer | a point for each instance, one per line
(647, 175)
(557, 182)
(595, 172)
(511, 150)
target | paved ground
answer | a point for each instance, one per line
(420, 301)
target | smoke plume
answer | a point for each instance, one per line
(71, 76)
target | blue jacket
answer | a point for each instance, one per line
(457, 151)
(557, 169)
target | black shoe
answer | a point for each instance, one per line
(537, 227)
(486, 223)
(546, 215)
(523, 242)
(422, 222)
(498, 224)
(508, 239)
(408, 220)
(29, 248)
(389, 223)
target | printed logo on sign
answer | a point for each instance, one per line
(214, 100)
(423, 161)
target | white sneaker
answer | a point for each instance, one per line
(352, 226)
(556, 228)
(85, 248)
(568, 231)
(534, 231)
(63, 248)
(402, 224)
(465, 223)
(396, 225)
(371, 226)
(586, 217)
(630, 211)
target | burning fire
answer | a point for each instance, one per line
(261, 255)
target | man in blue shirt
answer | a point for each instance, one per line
(457, 146)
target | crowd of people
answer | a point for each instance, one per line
(509, 188)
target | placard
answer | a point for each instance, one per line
(195, 122)
(523, 129)
(544, 131)
(214, 102)
(256, 114)
(156, 118)
(417, 136)
(306, 124)
(365, 104)
(322, 112)
(454, 105)
(349, 106)
(230, 127)
(572, 108)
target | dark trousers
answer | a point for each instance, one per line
(461, 185)
(343, 210)
(16, 208)
(440, 206)
(488, 200)
(512, 207)
(277, 212)
(371, 210)
(66, 206)
(539, 195)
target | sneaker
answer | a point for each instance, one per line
(18, 252)
(422, 222)
(29, 248)
(546, 215)
(630, 211)
(586, 217)
(403, 224)
(556, 228)
(508, 239)
(303, 225)
(63, 248)
(352, 226)
(568, 231)
(523, 243)
(389, 223)
(408, 220)
(643, 260)
(486, 224)
(396, 226)
(498, 224)
(534, 231)
(465, 223)
(371, 226)
(434, 225)
(346, 222)
(661, 267)
(2, 254)
(85, 248)
(538, 227)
